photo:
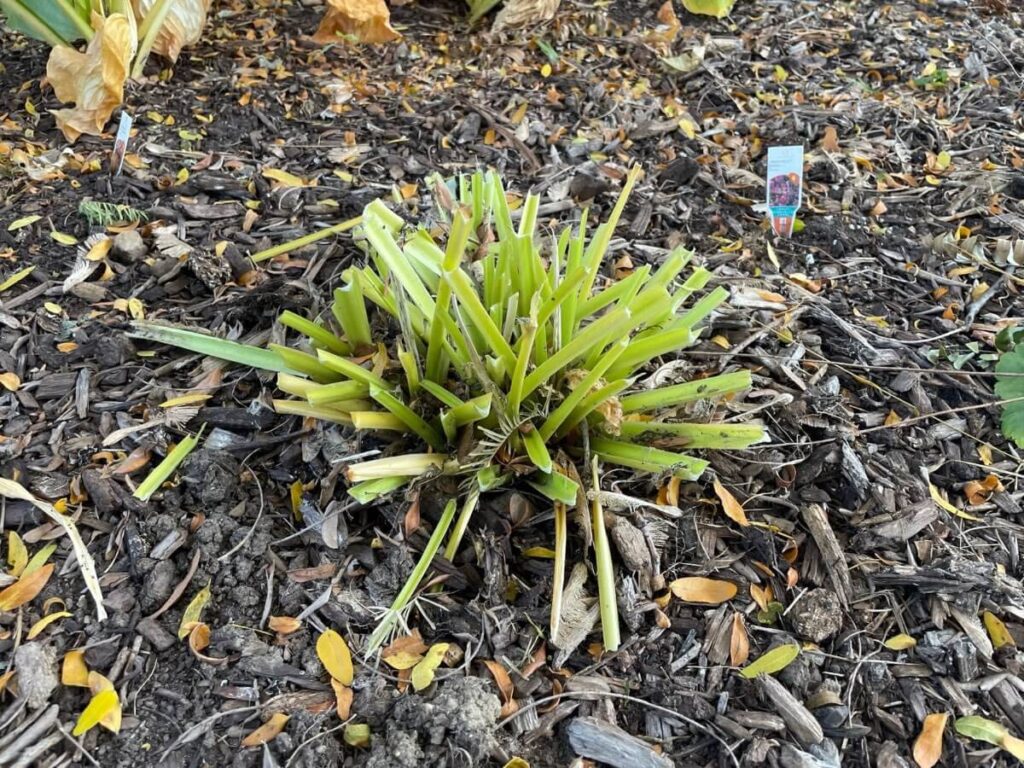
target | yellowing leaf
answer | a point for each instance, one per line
(739, 643)
(900, 642)
(99, 250)
(53, 309)
(928, 746)
(343, 694)
(73, 671)
(943, 160)
(63, 238)
(136, 309)
(93, 80)
(423, 673)
(193, 612)
(985, 454)
(939, 499)
(111, 719)
(717, 8)
(334, 654)
(182, 27)
(284, 178)
(99, 706)
(284, 624)
(365, 21)
(697, 589)
(403, 660)
(25, 588)
(17, 554)
(268, 731)
(997, 630)
(982, 729)
(46, 621)
(545, 553)
(190, 399)
(16, 278)
(732, 508)
(516, 762)
(24, 221)
(10, 381)
(776, 660)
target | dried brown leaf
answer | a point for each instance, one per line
(368, 21)
(928, 746)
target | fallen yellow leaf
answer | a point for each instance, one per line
(775, 660)
(17, 554)
(10, 381)
(193, 612)
(284, 624)
(900, 642)
(997, 631)
(99, 706)
(344, 695)
(333, 652)
(110, 719)
(423, 673)
(46, 621)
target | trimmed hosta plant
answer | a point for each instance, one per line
(510, 357)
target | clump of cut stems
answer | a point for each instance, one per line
(508, 347)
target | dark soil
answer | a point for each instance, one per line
(870, 334)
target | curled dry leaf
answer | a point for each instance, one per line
(928, 746)
(343, 694)
(73, 671)
(284, 624)
(266, 732)
(93, 80)
(368, 21)
(739, 643)
(733, 509)
(698, 589)
(505, 686)
(182, 27)
(334, 654)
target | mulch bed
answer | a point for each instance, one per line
(870, 334)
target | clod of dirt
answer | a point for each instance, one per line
(818, 615)
(129, 246)
(388, 576)
(421, 731)
(37, 673)
(212, 476)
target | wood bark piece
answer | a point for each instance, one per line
(816, 519)
(598, 740)
(799, 720)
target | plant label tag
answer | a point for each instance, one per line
(785, 187)
(124, 130)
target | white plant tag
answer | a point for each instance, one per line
(124, 130)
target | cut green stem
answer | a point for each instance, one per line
(166, 468)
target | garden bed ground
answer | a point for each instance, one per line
(870, 335)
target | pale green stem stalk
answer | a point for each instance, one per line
(679, 394)
(605, 569)
(558, 579)
(391, 618)
(317, 333)
(166, 468)
(147, 33)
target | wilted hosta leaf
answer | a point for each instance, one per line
(93, 80)
(368, 21)
(522, 13)
(182, 27)
(717, 8)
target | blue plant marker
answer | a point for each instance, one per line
(785, 186)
